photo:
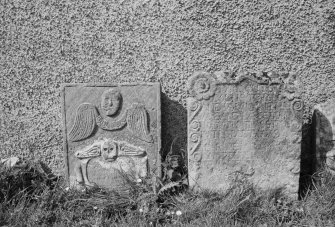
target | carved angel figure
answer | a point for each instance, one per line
(111, 101)
(109, 150)
(87, 118)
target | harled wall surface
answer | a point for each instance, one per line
(46, 43)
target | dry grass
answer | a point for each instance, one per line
(30, 196)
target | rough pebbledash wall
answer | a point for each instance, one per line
(45, 43)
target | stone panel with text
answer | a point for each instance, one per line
(244, 128)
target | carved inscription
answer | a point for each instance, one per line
(248, 126)
(236, 114)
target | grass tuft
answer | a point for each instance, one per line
(31, 196)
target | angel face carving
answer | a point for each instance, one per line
(111, 101)
(87, 118)
(109, 151)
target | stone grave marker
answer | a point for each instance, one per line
(109, 131)
(244, 128)
(324, 126)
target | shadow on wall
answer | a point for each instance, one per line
(308, 159)
(316, 150)
(174, 128)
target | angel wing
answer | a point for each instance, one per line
(126, 149)
(89, 152)
(137, 121)
(84, 122)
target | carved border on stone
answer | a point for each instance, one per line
(202, 87)
(291, 89)
(156, 163)
(195, 137)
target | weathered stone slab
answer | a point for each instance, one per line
(110, 131)
(244, 128)
(324, 125)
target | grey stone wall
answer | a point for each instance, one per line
(46, 43)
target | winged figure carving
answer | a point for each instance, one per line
(87, 118)
(108, 149)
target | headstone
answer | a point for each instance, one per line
(244, 128)
(111, 133)
(324, 125)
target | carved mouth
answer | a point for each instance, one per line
(112, 159)
(111, 111)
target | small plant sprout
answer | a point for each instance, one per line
(140, 210)
(300, 209)
(178, 213)
(67, 189)
(139, 180)
(95, 208)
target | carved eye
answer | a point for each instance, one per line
(105, 149)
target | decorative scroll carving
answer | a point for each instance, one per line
(203, 85)
(195, 125)
(87, 117)
(109, 150)
(195, 109)
(195, 137)
(260, 78)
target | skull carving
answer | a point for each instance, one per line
(109, 150)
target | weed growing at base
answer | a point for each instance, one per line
(32, 196)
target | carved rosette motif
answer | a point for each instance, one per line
(297, 105)
(202, 85)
